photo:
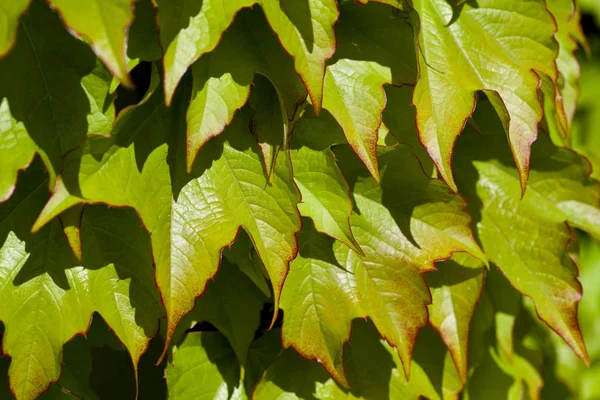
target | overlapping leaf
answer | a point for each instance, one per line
(325, 193)
(527, 238)
(402, 226)
(49, 296)
(191, 217)
(54, 70)
(222, 79)
(495, 46)
(232, 304)
(375, 47)
(305, 30)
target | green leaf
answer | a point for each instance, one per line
(527, 238)
(305, 30)
(329, 284)
(9, 20)
(232, 304)
(190, 217)
(16, 150)
(204, 366)
(48, 64)
(222, 79)
(375, 47)
(456, 47)
(325, 193)
(455, 290)
(50, 296)
(105, 24)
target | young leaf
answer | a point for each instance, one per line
(192, 217)
(353, 90)
(16, 150)
(325, 193)
(50, 296)
(204, 366)
(527, 238)
(222, 79)
(305, 30)
(455, 290)
(400, 238)
(48, 64)
(456, 47)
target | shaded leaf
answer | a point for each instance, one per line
(329, 284)
(375, 47)
(305, 30)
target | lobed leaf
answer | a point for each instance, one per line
(329, 284)
(190, 217)
(50, 296)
